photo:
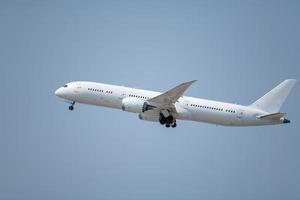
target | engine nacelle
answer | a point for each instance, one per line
(133, 105)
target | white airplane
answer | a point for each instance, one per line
(169, 106)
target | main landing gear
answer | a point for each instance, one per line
(71, 107)
(167, 121)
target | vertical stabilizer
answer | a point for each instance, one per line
(273, 100)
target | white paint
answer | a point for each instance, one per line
(179, 107)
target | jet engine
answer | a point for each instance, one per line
(135, 105)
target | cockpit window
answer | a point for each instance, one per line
(65, 85)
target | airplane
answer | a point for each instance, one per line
(170, 106)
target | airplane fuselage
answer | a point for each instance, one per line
(187, 108)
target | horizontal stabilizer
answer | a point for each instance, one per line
(273, 116)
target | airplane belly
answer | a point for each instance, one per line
(204, 116)
(99, 100)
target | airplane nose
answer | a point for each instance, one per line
(58, 92)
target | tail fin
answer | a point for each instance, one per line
(273, 100)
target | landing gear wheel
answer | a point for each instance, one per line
(162, 119)
(71, 107)
(174, 125)
(168, 125)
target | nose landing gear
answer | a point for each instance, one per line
(71, 107)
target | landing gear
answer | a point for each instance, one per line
(171, 125)
(162, 119)
(71, 107)
(168, 121)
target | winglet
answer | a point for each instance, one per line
(185, 85)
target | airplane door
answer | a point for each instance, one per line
(77, 88)
(240, 114)
(185, 104)
(122, 95)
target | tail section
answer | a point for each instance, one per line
(273, 100)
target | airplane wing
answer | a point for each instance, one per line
(273, 116)
(172, 95)
(166, 100)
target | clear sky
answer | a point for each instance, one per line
(237, 50)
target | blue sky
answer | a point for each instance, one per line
(237, 50)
